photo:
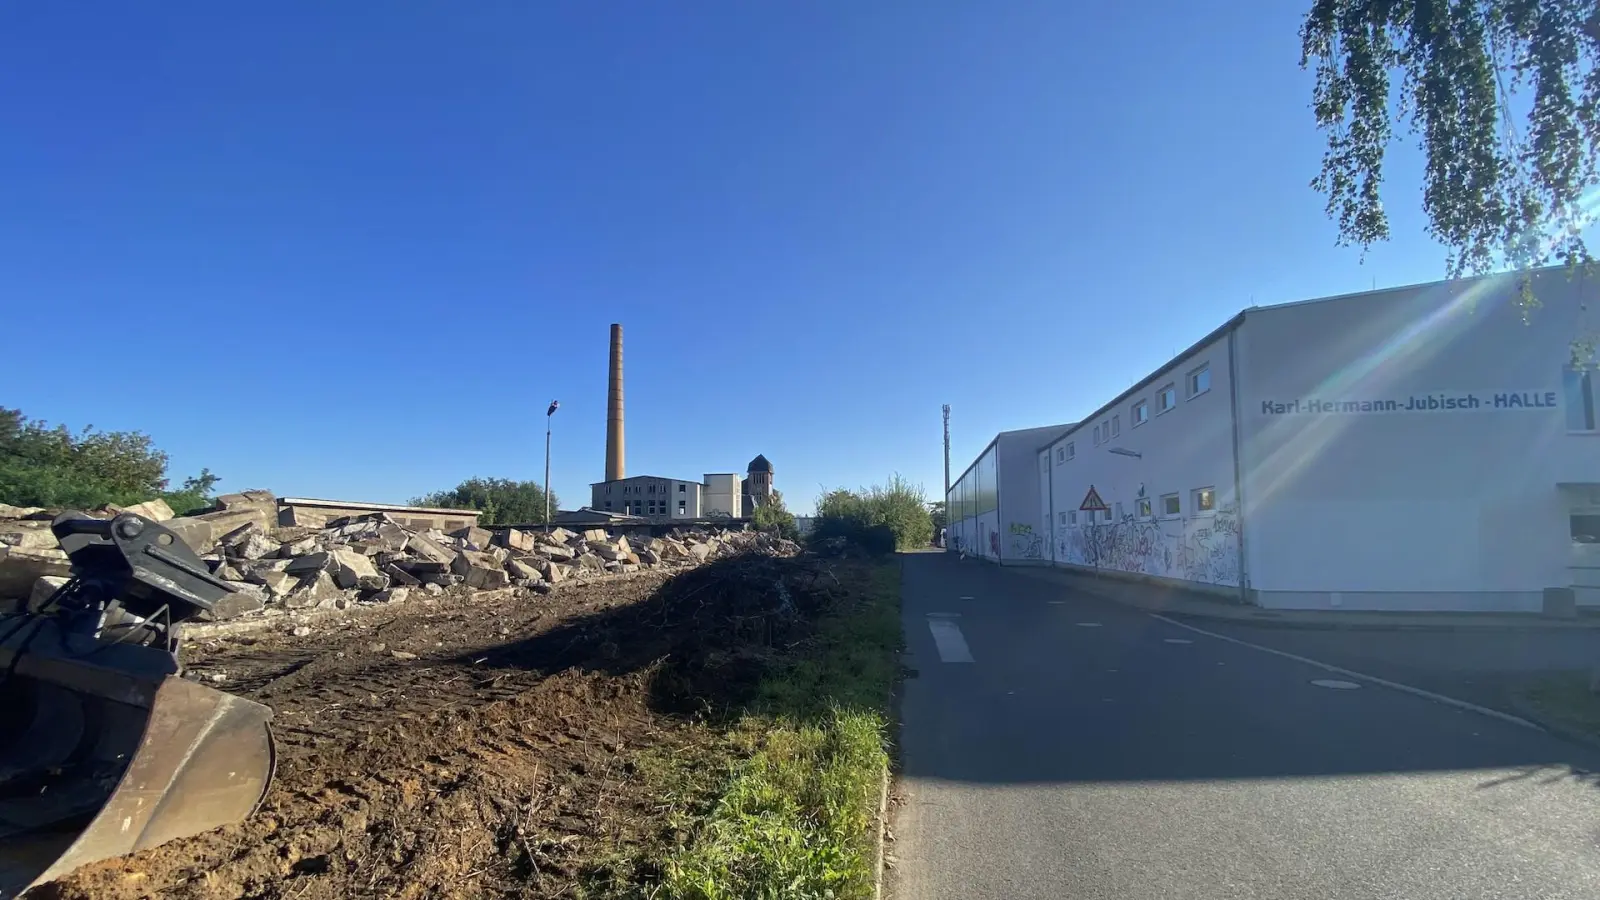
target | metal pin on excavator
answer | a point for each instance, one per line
(104, 749)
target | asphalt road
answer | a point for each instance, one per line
(1083, 752)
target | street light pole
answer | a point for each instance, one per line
(549, 416)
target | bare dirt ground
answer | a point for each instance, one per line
(464, 748)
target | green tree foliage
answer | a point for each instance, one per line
(503, 501)
(1504, 96)
(195, 495)
(774, 515)
(49, 466)
(895, 515)
(936, 513)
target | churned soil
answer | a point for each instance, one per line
(465, 746)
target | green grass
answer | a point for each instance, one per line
(1564, 698)
(795, 816)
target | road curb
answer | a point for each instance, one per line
(1362, 676)
(883, 831)
(1554, 726)
(1236, 614)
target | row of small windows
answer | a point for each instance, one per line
(649, 489)
(651, 508)
(1201, 500)
(1196, 383)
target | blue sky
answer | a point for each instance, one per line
(353, 250)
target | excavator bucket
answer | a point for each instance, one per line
(104, 749)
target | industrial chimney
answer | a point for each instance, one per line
(614, 460)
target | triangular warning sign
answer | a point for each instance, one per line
(1092, 501)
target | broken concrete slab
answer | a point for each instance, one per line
(429, 549)
(300, 547)
(7, 511)
(515, 539)
(590, 562)
(525, 570)
(201, 531)
(553, 551)
(312, 590)
(155, 510)
(392, 595)
(400, 576)
(604, 549)
(43, 589)
(246, 598)
(20, 567)
(278, 584)
(311, 562)
(596, 534)
(354, 570)
(555, 572)
(255, 545)
(699, 551)
(480, 570)
(479, 538)
(29, 535)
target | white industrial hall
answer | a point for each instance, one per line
(1431, 447)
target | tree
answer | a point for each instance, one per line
(49, 466)
(773, 515)
(1506, 174)
(898, 508)
(937, 514)
(503, 501)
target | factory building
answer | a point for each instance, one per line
(660, 499)
(1416, 448)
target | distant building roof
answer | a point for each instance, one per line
(759, 464)
(375, 507)
(588, 515)
(643, 477)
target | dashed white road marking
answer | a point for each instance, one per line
(1088, 624)
(1178, 641)
(1334, 684)
(1360, 676)
(1056, 602)
(969, 598)
(947, 637)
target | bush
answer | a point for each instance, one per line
(775, 516)
(54, 467)
(878, 519)
(503, 501)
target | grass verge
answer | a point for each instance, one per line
(1564, 699)
(794, 816)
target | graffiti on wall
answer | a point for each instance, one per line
(1197, 548)
(1025, 543)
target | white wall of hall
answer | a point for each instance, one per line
(1021, 541)
(1174, 453)
(1372, 508)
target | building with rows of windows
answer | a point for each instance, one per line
(1417, 448)
(717, 495)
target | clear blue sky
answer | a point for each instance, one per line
(354, 249)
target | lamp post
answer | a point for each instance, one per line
(549, 416)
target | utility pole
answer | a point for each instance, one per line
(947, 455)
(549, 416)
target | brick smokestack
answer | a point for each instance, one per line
(615, 467)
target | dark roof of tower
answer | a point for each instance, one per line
(759, 464)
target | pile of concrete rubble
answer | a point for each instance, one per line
(366, 559)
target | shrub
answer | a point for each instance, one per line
(775, 516)
(55, 467)
(503, 501)
(878, 519)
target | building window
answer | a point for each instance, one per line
(1144, 507)
(1061, 455)
(1105, 514)
(1097, 434)
(1072, 517)
(683, 489)
(1166, 399)
(1205, 499)
(1199, 381)
(1116, 425)
(1064, 519)
(1119, 509)
(683, 506)
(1169, 504)
(1141, 413)
(608, 488)
(1072, 450)
(1579, 388)
(608, 504)
(1585, 528)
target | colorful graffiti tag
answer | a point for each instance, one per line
(1198, 548)
(1025, 542)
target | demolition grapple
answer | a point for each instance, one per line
(104, 749)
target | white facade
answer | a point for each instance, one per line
(992, 508)
(1420, 448)
(722, 496)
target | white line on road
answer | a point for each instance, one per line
(1088, 624)
(947, 637)
(1339, 670)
